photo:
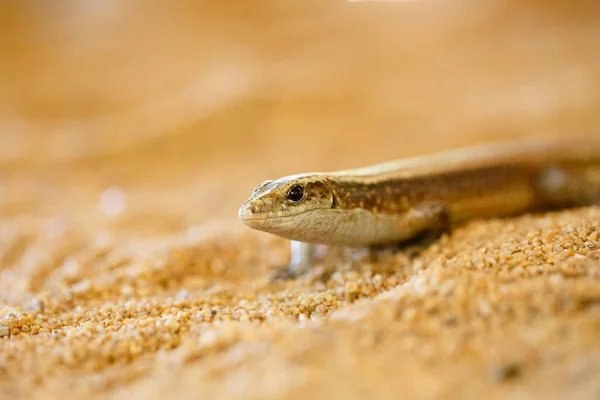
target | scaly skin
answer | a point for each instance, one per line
(392, 202)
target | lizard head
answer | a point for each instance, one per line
(284, 207)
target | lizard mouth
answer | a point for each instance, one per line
(249, 217)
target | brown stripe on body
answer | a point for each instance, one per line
(483, 191)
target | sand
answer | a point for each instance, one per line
(124, 272)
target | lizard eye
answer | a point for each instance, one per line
(295, 194)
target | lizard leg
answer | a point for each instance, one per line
(432, 217)
(302, 257)
(422, 224)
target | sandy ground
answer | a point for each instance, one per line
(130, 133)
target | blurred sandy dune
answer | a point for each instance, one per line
(224, 94)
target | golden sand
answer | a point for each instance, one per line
(510, 304)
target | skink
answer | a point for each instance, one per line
(396, 201)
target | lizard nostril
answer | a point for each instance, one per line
(253, 209)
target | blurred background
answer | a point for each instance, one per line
(153, 116)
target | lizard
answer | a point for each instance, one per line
(395, 201)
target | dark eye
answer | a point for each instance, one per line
(295, 194)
